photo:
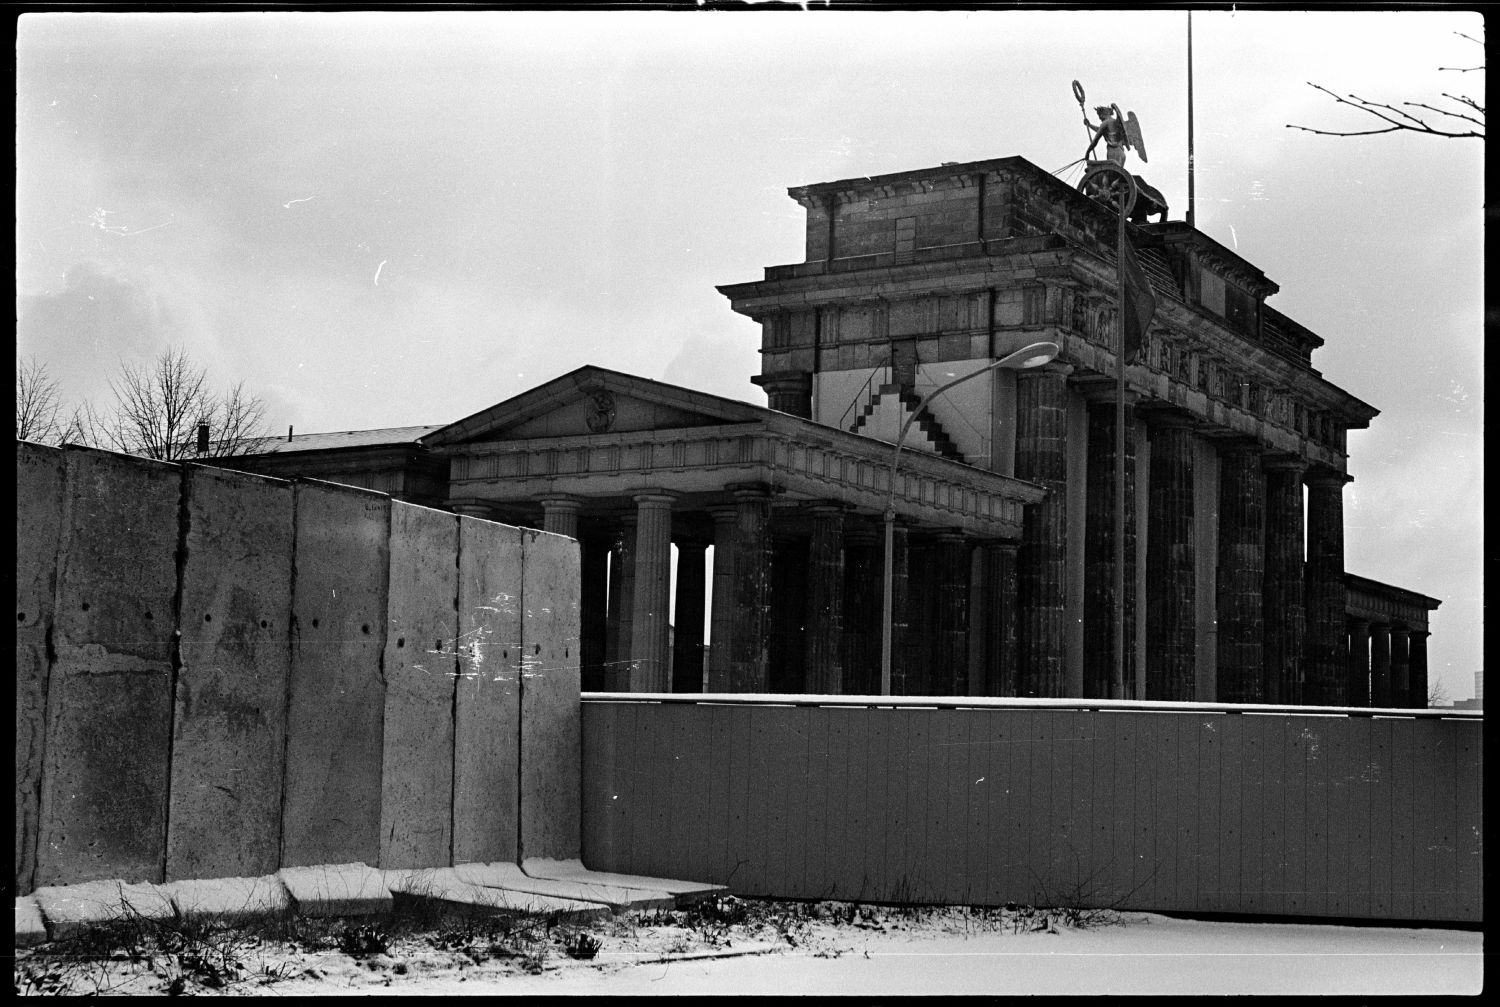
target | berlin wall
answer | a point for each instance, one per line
(220, 674)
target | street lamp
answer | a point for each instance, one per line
(1032, 355)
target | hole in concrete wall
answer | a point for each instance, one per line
(315, 624)
(401, 641)
(504, 654)
(264, 624)
(207, 617)
(20, 617)
(85, 606)
(365, 629)
(148, 617)
(538, 647)
(437, 645)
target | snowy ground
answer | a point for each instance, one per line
(787, 948)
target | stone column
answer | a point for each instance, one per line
(1241, 574)
(749, 659)
(789, 392)
(1042, 458)
(651, 601)
(1171, 570)
(1380, 666)
(618, 625)
(1099, 550)
(593, 612)
(687, 629)
(1323, 667)
(1000, 670)
(721, 619)
(825, 602)
(1417, 661)
(950, 666)
(1281, 607)
(560, 515)
(1401, 693)
(1359, 662)
(861, 608)
(900, 612)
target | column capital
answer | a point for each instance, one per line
(471, 508)
(751, 491)
(1241, 446)
(1284, 463)
(1326, 478)
(1165, 417)
(561, 501)
(1055, 369)
(657, 497)
(1099, 389)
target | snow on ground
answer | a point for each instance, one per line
(833, 949)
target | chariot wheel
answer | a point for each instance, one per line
(1111, 185)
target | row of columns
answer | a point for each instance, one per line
(1387, 664)
(1280, 616)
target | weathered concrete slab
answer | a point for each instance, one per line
(336, 889)
(486, 769)
(618, 897)
(72, 909)
(39, 489)
(445, 886)
(30, 928)
(230, 728)
(331, 803)
(573, 870)
(230, 900)
(421, 665)
(549, 698)
(109, 700)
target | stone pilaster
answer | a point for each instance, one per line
(1324, 666)
(687, 628)
(651, 602)
(1401, 691)
(1359, 662)
(1380, 666)
(1099, 552)
(1417, 660)
(721, 619)
(560, 515)
(1041, 458)
(950, 667)
(900, 618)
(861, 609)
(1000, 669)
(1171, 570)
(593, 611)
(1241, 574)
(825, 602)
(749, 639)
(1282, 608)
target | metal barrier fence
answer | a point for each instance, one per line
(1210, 808)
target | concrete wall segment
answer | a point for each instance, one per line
(109, 705)
(335, 719)
(39, 494)
(229, 728)
(417, 779)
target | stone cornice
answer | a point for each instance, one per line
(796, 457)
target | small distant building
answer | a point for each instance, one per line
(1477, 703)
(1004, 550)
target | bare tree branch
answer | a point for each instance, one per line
(159, 408)
(37, 403)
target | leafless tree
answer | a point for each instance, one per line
(38, 404)
(1437, 693)
(1462, 117)
(159, 407)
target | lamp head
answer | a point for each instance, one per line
(1033, 355)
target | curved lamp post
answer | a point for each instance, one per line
(1032, 355)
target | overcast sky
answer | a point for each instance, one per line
(394, 219)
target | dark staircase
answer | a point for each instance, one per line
(925, 422)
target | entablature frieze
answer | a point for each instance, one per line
(796, 464)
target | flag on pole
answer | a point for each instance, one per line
(1140, 302)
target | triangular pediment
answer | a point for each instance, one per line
(593, 400)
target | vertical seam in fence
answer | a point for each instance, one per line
(458, 574)
(521, 708)
(184, 525)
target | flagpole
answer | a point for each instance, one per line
(1192, 217)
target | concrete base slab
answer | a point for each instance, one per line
(443, 885)
(618, 897)
(29, 926)
(336, 889)
(72, 909)
(573, 870)
(230, 900)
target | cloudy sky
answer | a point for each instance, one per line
(392, 219)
